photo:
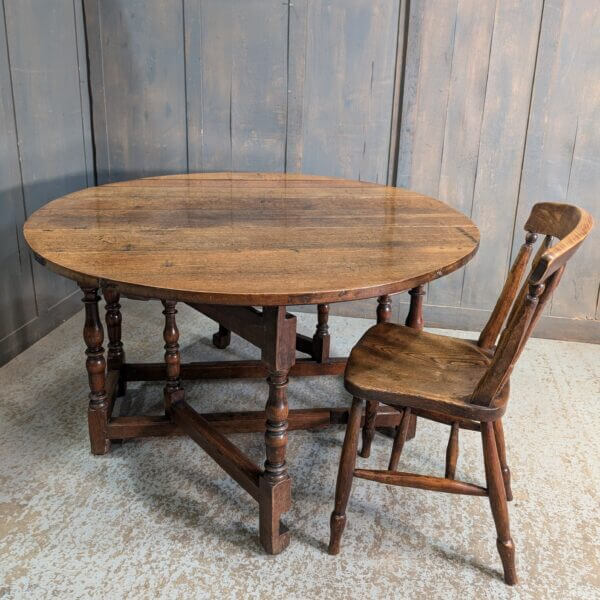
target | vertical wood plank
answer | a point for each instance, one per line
(137, 65)
(505, 116)
(579, 290)
(563, 140)
(350, 48)
(84, 92)
(236, 74)
(297, 43)
(431, 34)
(48, 107)
(466, 97)
(17, 300)
(92, 25)
(399, 70)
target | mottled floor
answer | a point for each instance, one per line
(158, 519)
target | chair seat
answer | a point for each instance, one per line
(400, 366)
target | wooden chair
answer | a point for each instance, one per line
(462, 383)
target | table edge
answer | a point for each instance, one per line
(148, 292)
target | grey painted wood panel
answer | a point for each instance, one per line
(48, 108)
(506, 110)
(428, 67)
(431, 37)
(395, 122)
(84, 92)
(489, 114)
(17, 299)
(297, 43)
(137, 65)
(563, 140)
(464, 117)
(236, 74)
(347, 79)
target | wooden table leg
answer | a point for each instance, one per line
(172, 356)
(321, 338)
(222, 338)
(278, 353)
(115, 357)
(384, 315)
(414, 319)
(384, 309)
(98, 409)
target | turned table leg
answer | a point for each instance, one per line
(93, 334)
(414, 319)
(321, 338)
(172, 356)
(384, 309)
(278, 353)
(115, 355)
(384, 315)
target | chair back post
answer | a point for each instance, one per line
(570, 225)
(490, 332)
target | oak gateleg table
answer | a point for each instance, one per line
(225, 243)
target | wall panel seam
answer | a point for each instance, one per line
(201, 143)
(398, 99)
(287, 89)
(86, 159)
(185, 90)
(103, 90)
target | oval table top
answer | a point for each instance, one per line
(251, 238)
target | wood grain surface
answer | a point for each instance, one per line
(251, 239)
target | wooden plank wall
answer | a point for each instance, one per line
(45, 152)
(255, 85)
(501, 110)
(236, 58)
(490, 105)
(137, 71)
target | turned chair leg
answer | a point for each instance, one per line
(399, 439)
(345, 476)
(499, 433)
(222, 338)
(452, 452)
(368, 431)
(499, 506)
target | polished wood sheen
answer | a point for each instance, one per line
(462, 383)
(251, 239)
(240, 248)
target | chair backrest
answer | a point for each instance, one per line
(520, 306)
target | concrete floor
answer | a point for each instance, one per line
(158, 519)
